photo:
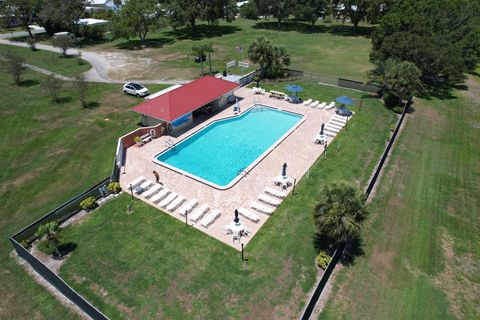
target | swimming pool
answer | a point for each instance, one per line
(220, 153)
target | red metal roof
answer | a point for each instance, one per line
(185, 99)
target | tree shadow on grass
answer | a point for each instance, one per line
(148, 43)
(66, 248)
(92, 105)
(442, 91)
(62, 100)
(203, 31)
(28, 83)
(339, 30)
(352, 250)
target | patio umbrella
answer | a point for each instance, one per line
(321, 129)
(294, 88)
(345, 100)
(236, 216)
(284, 170)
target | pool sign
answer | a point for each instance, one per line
(243, 64)
(231, 64)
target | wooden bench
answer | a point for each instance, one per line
(277, 94)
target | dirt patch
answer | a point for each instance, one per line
(454, 280)
(98, 290)
(382, 262)
(52, 264)
(174, 294)
(473, 92)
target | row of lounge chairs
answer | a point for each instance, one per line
(171, 201)
(317, 105)
(334, 125)
(266, 203)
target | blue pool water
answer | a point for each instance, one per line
(219, 152)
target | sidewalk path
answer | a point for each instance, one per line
(100, 65)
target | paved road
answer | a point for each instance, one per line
(101, 65)
(18, 34)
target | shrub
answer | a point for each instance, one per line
(88, 203)
(397, 109)
(323, 259)
(114, 187)
(137, 139)
(25, 243)
(327, 20)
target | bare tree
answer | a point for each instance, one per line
(62, 42)
(81, 87)
(52, 85)
(13, 64)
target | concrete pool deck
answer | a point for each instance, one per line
(297, 150)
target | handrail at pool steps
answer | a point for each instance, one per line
(170, 144)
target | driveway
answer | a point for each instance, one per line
(100, 63)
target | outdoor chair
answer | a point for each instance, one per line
(307, 103)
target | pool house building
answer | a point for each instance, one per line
(179, 107)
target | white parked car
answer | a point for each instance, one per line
(135, 89)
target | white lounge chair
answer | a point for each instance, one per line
(248, 214)
(137, 181)
(262, 208)
(332, 128)
(153, 190)
(314, 104)
(330, 106)
(306, 103)
(188, 207)
(176, 203)
(275, 193)
(322, 105)
(210, 218)
(340, 118)
(198, 213)
(274, 202)
(160, 196)
(165, 202)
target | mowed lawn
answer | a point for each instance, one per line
(422, 252)
(51, 61)
(149, 265)
(48, 153)
(327, 49)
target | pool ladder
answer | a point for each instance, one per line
(170, 144)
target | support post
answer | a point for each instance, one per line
(294, 184)
(186, 221)
(325, 150)
(131, 191)
(242, 252)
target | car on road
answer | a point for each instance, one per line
(135, 89)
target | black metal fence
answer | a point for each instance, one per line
(338, 253)
(379, 168)
(61, 213)
(323, 281)
(57, 282)
(332, 80)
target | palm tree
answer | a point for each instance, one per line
(50, 230)
(209, 49)
(261, 52)
(382, 74)
(406, 80)
(199, 51)
(339, 213)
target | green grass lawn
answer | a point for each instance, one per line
(49, 60)
(327, 49)
(148, 265)
(422, 253)
(49, 152)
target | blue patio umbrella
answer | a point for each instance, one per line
(294, 88)
(345, 100)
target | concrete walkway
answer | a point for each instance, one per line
(100, 65)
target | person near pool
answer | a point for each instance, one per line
(157, 177)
